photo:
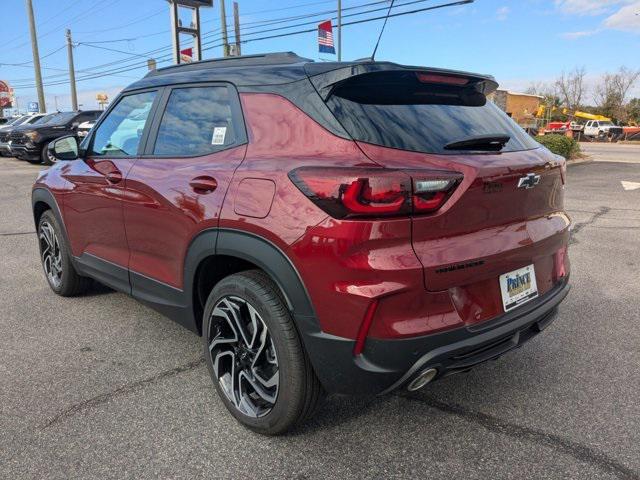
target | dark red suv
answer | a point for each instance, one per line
(354, 227)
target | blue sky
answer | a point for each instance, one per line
(519, 42)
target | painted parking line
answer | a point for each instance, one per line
(630, 185)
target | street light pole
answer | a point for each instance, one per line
(36, 56)
(339, 30)
(223, 25)
(72, 73)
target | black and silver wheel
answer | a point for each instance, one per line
(50, 253)
(46, 157)
(244, 358)
(255, 356)
(56, 262)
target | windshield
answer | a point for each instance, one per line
(44, 119)
(403, 112)
(61, 118)
(20, 121)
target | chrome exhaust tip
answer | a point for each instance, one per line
(422, 379)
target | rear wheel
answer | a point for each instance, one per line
(255, 356)
(56, 260)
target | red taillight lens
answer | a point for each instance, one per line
(371, 192)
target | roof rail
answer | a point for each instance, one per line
(277, 58)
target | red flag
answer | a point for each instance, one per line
(186, 55)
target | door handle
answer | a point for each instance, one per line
(203, 184)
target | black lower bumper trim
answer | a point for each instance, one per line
(386, 365)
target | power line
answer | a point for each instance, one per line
(212, 33)
(77, 17)
(298, 32)
(114, 50)
(210, 45)
(125, 25)
(19, 37)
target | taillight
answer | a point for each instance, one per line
(374, 192)
(439, 78)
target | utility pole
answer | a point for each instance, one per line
(225, 39)
(72, 73)
(236, 26)
(339, 30)
(36, 56)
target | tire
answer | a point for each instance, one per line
(44, 156)
(56, 260)
(255, 356)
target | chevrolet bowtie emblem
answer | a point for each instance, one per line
(530, 180)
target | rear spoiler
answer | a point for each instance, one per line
(326, 76)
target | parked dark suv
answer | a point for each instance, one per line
(31, 143)
(354, 227)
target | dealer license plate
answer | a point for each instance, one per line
(518, 287)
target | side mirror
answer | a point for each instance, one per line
(64, 148)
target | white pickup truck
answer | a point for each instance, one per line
(602, 129)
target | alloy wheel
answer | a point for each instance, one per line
(51, 158)
(51, 254)
(243, 356)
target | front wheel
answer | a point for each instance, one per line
(46, 157)
(255, 356)
(56, 260)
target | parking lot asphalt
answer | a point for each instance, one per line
(101, 387)
(612, 152)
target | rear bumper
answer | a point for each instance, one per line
(386, 365)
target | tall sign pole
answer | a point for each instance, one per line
(72, 73)
(339, 30)
(193, 30)
(36, 56)
(175, 33)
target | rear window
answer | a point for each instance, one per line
(399, 111)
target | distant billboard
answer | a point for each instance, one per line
(5, 95)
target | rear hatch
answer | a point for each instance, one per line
(505, 213)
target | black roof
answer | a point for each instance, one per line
(269, 69)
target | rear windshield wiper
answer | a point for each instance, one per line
(492, 142)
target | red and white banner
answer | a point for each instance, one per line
(186, 55)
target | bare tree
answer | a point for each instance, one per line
(571, 87)
(548, 91)
(611, 93)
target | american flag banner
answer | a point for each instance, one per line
(325, 38)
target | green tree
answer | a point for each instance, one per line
(633, 110)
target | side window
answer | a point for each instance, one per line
(120, 132)
(196, 121)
